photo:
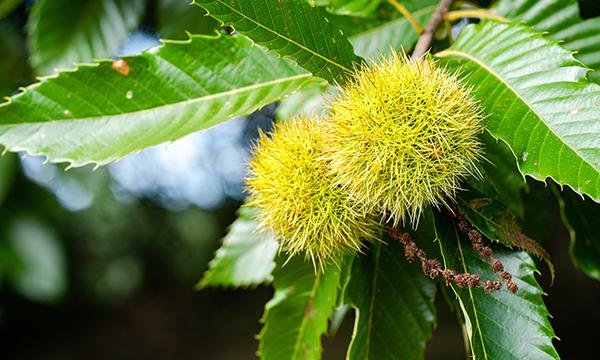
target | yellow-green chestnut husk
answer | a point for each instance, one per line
(289, 182)
(402, 136)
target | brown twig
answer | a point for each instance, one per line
(426, 37)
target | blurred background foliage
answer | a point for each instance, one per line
(102, 264)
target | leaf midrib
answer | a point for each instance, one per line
(456, 53)
(471, 297)
(167, 106)
(372, 304)
(476, 211)
(311, 296)
(284, 37)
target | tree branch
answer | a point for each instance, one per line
(426, 38)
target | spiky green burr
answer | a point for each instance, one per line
(402, 136)
(290, 184)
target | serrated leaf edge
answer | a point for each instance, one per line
(537, 35)
(73, 163)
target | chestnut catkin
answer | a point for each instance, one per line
(401, 137)
(289, 183)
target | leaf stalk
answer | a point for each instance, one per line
(408, 15)
(474, 13)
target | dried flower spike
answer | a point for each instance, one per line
(289, 184)
(402, 136)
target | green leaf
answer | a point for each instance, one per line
(537, 99)
(292, 28)
(96, 114)
(297, 315)
(308, 100)
(368, 8)
(499, 325)
(580, 216)
(352, 25)
(396, 35)
(394, 305)
(176, 18)
(349, 7)
(495, 222)
(561, 20)
(501, 179)
(372, 43)
(246, 258)
(64, 32)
